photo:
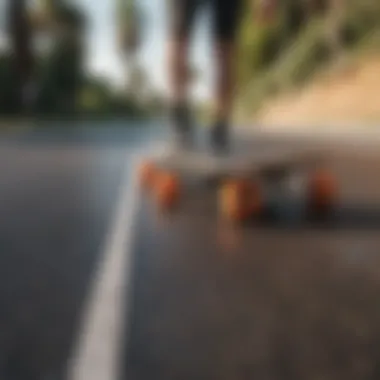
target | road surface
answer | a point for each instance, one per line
(204, 301)
(284, 300)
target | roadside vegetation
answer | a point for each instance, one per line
(306, 39)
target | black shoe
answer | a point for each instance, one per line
(182, 129)
(220, 138)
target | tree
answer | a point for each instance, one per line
(129, 21)
(61, 70)
(20, 34)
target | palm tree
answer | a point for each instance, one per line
(52, 16)
(129, 24)
(21, 42)
(60, 23)
(129, 21)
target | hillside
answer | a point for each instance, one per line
(311, 66)
(349, 95)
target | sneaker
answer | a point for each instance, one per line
(182, 129)
(220, 139)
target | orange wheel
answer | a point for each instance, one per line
(322, 190)
(255, 200)
(239, 200)
(167, 190)
(148, 174)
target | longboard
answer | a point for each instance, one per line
(272, 164)
(240, 177)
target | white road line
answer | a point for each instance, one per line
(96, 355)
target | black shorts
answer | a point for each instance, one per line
(225, 16)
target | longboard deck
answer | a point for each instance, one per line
(241, 179)
(206, 165)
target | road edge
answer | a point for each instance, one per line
(96, 352)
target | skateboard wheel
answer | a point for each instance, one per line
(239, 200)
(147, 174)
(255, 200)
(167, 190)
(322, 191)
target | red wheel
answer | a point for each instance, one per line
(239, 200)
(255, 199)
(167, 190)
(322, 191)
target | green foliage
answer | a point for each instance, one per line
(62, 86)
(8, 100)
(260, 45)
(294, 66)
(130, 21)
(288, 53)
(362, 19)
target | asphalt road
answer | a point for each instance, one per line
(289, 300)
(58, 192)
(283, 298)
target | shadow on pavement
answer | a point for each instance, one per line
(346, 216)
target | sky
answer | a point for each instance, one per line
(103, 56)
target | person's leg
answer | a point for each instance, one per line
(181, 19)
(226, 22)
